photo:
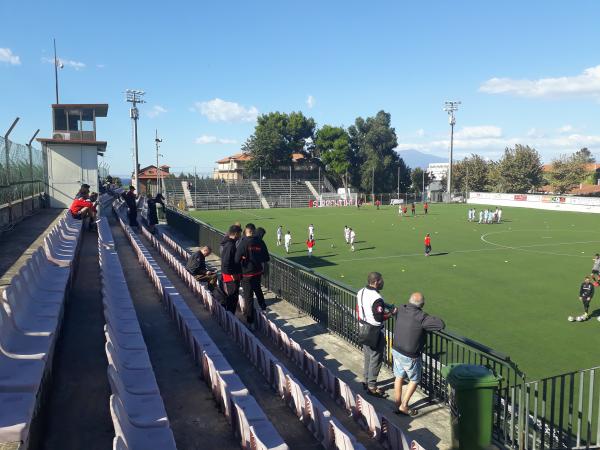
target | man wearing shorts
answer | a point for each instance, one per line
(410, 330)
(596, 269)
(586, 292)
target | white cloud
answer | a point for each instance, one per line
(566, 129)
(420, 132)
(206, 139)
(218, 110)
(585, 84)
(479, 132)
(493, 147)
(7, 56)
(77, 65)
(310, 102)
(155, 111)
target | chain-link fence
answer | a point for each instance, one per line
(21, 181)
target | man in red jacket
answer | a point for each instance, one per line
(83, 207)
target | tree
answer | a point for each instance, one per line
(417, 175)
(276, 136)
(332, 144)
(519, 170)
(585, 156)
(373, 142)
(567, 171)
(471, 174)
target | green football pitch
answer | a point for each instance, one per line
(510, 286)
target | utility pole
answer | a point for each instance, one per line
(134, 97)
(57, 65)
(157, 141)
(398, 182)
(451, 107)
(373, 185)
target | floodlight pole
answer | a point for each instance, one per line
(451, 107)
(157, 141)
(55, 70)
(134, 97)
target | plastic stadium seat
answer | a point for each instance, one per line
(346, 396)
(142, 410)
(16, 411)
(15, 344)
(367, 413)
(342, 440)
(135, 381)
(136, 438)
(20, 375)
(393, 436)
(125, 341)
(54, 289)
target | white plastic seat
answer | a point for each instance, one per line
(142, 410)
(135, 438)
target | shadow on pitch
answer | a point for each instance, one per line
(364, 248)
(313, 261)
(439, 254)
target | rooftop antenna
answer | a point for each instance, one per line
(134, 97)
(451, 107)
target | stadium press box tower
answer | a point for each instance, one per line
(71, 155)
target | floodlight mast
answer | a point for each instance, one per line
(157, 141)
(134, 97)
(451, 107)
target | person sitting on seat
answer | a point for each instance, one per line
(196, 265)
(83, 207)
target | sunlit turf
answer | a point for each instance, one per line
(510, 286)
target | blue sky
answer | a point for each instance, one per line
(526, 72)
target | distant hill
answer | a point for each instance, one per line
(415, 158)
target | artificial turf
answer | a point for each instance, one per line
(510, 286)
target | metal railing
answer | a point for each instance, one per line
(555, 412)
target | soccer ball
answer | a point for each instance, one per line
(579, 319)
(598, 318)
(571, 319)
(332, 245)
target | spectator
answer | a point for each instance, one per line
(252, 253)
(196, 265)
(131, 202)
(409, 338)
(372, 312)
(152, 214)
(84, 191)
(231, 271)
(82, 207)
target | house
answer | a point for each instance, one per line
(437, 171)
(231, 168)
(234, 167)
(590, 186)
(148, 177)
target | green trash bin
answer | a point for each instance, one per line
(471, 396)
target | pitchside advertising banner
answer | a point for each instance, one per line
(331, 199)
(536, 201)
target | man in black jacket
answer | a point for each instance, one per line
(586, 292)
(410, 330)
(196, 265)
(230, 270)
(251, 254)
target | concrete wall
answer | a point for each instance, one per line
(547, 202)
(69, 166)
(16, 211)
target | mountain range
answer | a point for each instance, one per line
(415, 158)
